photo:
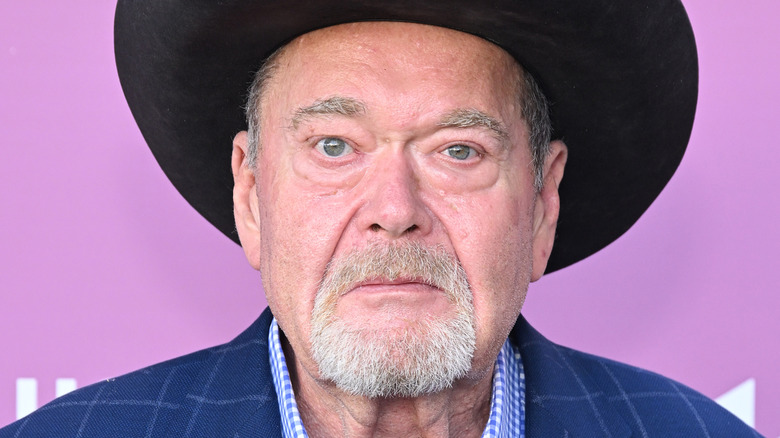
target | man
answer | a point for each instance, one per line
(398, 189)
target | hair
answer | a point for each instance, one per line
(533, 106)
(536, 113)
(422, 357)
(254, 101)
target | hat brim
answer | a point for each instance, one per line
(621, 77)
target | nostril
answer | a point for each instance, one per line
(376, 227)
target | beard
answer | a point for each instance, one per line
(423, 358)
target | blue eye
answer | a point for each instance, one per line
(333, 147)
(460, 152)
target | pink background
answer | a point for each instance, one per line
(106, 269)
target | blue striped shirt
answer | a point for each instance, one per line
(507, 404)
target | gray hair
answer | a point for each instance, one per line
(533, 106)
(253, 103)
(424, 357)
(536, 113)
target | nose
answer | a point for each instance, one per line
(392, 206)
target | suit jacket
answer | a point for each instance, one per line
(227, 391)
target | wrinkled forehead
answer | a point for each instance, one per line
(379, 49)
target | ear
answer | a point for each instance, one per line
(245, 203)
(546, 208)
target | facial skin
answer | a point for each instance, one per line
(401, 175)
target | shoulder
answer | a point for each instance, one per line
(124, 406)
(656, 405)
(580, 392)
(150, 401)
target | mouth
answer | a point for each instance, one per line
(400, 285)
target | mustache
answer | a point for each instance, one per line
(430, 265)
(426, 356)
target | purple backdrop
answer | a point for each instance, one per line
(106, 269)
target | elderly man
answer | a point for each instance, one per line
(398, 190)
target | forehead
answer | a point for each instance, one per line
(407, 41)
(420, 63)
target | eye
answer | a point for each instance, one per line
(460, 152)
(333, 147)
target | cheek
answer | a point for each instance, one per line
(492, 239)
(504, 260)
(299, 231)
(293, 247)
(290, 269)
(500, 291)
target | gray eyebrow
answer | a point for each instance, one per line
(336, 105)
(469, 117)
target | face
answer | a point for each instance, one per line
(382, 137)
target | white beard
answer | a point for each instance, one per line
(424, 358)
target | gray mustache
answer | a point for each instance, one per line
(429, 265)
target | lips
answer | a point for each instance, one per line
(400, 284)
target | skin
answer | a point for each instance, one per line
(301, 208)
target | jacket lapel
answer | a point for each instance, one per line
(233, 395)
(562, 399)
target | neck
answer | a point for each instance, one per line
(326, 411)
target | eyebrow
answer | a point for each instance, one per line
(469, 118)
(350, 107)
(336, 105)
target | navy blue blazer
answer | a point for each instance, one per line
(227, 391)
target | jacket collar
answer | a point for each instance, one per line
(562, 398)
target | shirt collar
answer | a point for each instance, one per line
(507, 404)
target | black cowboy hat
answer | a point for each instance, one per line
(621, 76)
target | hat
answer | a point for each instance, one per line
(621, 78)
